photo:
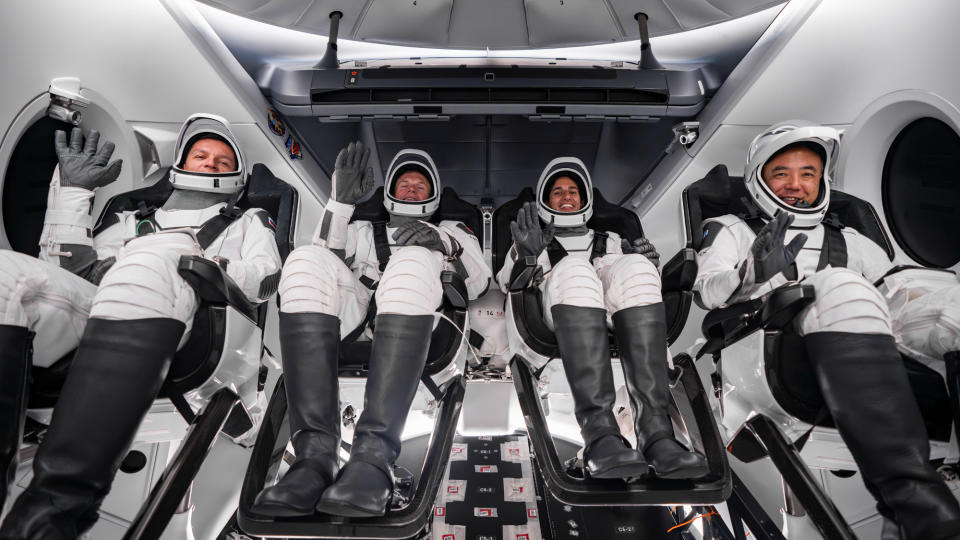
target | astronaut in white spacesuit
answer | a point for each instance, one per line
(847, 329)
(592, 278)
(325, 292)
(117, 297)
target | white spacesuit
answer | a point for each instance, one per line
(589, 278)
(847, 328)
(325, 294)
(117, 295)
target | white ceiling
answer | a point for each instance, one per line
(492, 24)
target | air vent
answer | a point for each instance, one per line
(490, 95)
(484, 73)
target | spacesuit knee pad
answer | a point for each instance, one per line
(410, 284)
(574, 282)
(631, 281)
(308, 283)
(845, 302)
(929, 326)
(145, 284)
(11, 289)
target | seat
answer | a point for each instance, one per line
(778, 408)
(537, 345)
(225, 346)
(528, 323)
(443, 379)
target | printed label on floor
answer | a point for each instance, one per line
(521, 532)
(458, 452)
(484, 512)
(454, 490)
(518, 490)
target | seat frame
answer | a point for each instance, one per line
(194, 373)
(538, 346)
(443, 375)
(764, 328)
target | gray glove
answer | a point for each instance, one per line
(643, 247)
(770, 256)
(418, 233)
(528, 237)
(352, 179)
(86, 168)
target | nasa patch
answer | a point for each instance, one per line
(293, 148)
(274, 122)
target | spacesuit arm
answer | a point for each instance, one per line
(725, 268)
(865, 256)
(504, 275)
(67, 235)
(331, 231)
(257, 272)
(471, 256)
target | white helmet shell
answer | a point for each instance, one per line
(194, 129)
(416, 160)
(768, 144)
(574, 169)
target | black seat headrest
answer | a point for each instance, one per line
(718, 194)
(278, 198)
(452, 208)
(606, 217)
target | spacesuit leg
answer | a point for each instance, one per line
(574, 298)
(136, 322)
(320, 300)
(865, 387)
(928, 327)
(631, 285)
(47, 300)
(36, 298)
(407, 298)
(15, 343)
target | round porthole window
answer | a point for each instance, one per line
(26, 182)
(921, 192)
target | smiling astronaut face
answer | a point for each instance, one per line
(564, 195)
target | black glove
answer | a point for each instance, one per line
(643, 247)
(770, 256)
(352, 179)
(528, 237)
(86, 168)
(418, 233)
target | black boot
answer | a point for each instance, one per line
(114, 378)
(584, 349)
(400, 345)
(866, 389)
(15, 344)
(642, 338)
(310, 343)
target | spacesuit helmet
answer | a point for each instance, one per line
(574, 169)
(771, 142)
(206, 126)
(406, 160)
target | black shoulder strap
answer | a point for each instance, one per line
(555, 252)
(381, 243)
(754, 222)
(599, 245)
(214, 227)
(834, 249)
